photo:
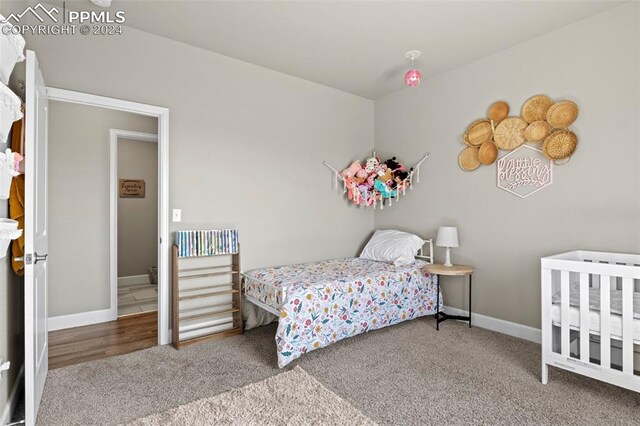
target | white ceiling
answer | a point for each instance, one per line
(355, 46)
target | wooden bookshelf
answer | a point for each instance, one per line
(206, 297)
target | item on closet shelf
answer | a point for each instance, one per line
(469, 158)
(12, 47)
(498, 111)
(560, 145)
(9, 166)
(448, 238)
(537, 131)
(509, 133)
(10, 111)
(488, 153)
(478, 133)
(375, 181)
(535, 108)
(8, 231)
(562, 114)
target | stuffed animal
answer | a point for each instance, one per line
(392, 164)
(362, 173)
(365, 193)
(371, 165)
(351, 170)
(386, 176)
(383, 189)
(350, 183)
(371, 179)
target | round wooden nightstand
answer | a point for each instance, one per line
(453, 271)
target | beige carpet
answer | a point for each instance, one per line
(291, 398)
(408, 374)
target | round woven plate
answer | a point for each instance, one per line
(537, 131)
(498, 111)
(560, 144)
(562, 114)
(488, 153)
(510, 133)
(535, 108)
(478, 132)
(468, 158)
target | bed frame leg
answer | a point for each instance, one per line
(545, 373)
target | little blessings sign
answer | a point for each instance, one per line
(524, 171)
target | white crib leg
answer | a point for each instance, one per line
(545, 373)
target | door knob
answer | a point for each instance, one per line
(29, 258)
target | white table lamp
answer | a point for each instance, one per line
(447, 237)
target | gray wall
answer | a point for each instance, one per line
(138, 217)
(78, 262)
(594, 201)
(247, 143)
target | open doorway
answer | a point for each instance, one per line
(104, 205)
(134, 221)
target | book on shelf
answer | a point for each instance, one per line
(194, 243)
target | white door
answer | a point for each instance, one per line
(35, 241)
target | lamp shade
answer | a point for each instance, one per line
(447, 236)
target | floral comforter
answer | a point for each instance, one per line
(323, 302)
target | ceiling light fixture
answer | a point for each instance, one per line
(413, 77)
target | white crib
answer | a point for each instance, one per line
(590, 321)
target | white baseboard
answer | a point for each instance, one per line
(133, 280)
(501, 326)
(12, 400)
(77, 320)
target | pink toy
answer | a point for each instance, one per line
(362, 174)
(351, 170)
(350, 182)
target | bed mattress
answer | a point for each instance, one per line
(594, 311)
(322, 302)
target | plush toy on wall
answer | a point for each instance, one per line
(376, 182)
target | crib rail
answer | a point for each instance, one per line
(590, 270)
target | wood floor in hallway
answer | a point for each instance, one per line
(80, 344)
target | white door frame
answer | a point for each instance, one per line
(114, 135)
(162, 114)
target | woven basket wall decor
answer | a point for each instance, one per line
(560, 144)
(488, 153)
(562, 114)
(509, 133)
(535, 108)
(469, 158)
(498, 111)
(478, 133)
(537, 131)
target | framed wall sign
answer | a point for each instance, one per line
(523, 171)
(131, 188)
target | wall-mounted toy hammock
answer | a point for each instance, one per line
(376, 182)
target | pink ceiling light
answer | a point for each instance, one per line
(413, 77)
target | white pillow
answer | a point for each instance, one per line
(392, 246)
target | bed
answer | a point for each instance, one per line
(323, 302)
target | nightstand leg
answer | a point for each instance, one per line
(470, 275)
(438, 303)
